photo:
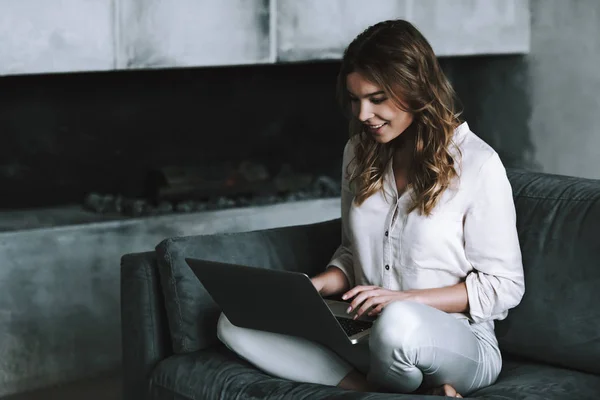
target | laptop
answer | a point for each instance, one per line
(282, 302)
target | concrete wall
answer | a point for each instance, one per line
(564, 76)
(59, 287)
(317, 29)
(53, 36)
(39, 36)
(96, 35)
(179, 33)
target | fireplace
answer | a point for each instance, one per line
(147, 142)
(223, 136)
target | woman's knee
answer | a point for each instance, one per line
(398, 323)
(226, 331)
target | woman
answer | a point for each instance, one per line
(429, 242)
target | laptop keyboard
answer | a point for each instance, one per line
(352, 327)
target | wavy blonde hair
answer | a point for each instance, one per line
(395, 56)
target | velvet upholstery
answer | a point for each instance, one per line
(224, 374)
(192, 313)
(558, 320)
(144, 333)
(522, 379)
(550, 342)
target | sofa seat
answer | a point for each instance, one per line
(217, 373)
(521, 379)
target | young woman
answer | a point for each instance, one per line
(429, 241)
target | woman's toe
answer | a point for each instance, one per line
(449, 391)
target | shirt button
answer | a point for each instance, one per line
(386, 233)
(387, 267)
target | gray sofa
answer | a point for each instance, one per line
(550, 342)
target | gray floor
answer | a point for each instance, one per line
(104, 387)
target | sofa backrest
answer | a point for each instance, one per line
(558, 320)
(191, 312)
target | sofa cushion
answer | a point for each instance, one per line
(528, 380)
(558, 320)
(191, 312)
(217, 373)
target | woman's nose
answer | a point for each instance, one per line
(364, 113)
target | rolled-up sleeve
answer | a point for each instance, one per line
(343, 258)
(496, 283)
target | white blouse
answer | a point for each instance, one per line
(470, 236)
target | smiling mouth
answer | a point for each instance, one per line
(375, 127)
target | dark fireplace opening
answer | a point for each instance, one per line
(155, 141)
(147, 142)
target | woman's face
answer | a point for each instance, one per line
(380, 116)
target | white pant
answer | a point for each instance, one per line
(410, 345)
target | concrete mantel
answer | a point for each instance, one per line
(39, 36)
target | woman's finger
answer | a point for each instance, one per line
(371, 302)
(360, 298)
(377, 310)
(355, 290)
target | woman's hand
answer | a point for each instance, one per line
(375, 297)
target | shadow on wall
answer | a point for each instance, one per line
(494, 91)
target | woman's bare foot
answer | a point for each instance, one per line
(444, 390)
(356, 381)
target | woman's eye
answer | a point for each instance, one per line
(378, 101)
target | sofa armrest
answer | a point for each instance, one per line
(145, 333)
